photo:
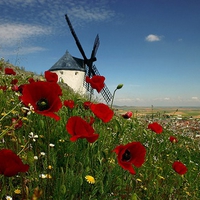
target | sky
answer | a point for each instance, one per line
(152, 47)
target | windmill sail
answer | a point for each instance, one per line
(91, 69)
(105, 92)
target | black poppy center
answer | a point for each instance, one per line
(43, 104)
(126, 156)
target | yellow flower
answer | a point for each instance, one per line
(161, 177)
(17, 191)
(50, 167)
(48, 176)
(90, 179)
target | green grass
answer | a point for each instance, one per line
(71, 161)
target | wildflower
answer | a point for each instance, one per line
(8, 198)
(51, 145)
(17, 123)
(9, 71)
(43, 176)
(79, 128)
(35, 157)
(90, 179)
(69, 103)
(91, 120)
(87, 104)
(50, 167)
(127, 115)
(42, 153)
(50, 76)
(179, 167)
(3, 88)
(155, 127)
(96, 82)
(173, 139)
(17, 191)
(15, 88)
(102, 111)
(14, 81)
(130, 154)
(10, 163)
(27, 111)
(44, 97)
(33, 137)
(37, 193)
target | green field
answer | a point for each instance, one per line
(59, 151)
(173, 111)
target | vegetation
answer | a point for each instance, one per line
(63, 169)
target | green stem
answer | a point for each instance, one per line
(10, 111)
(113, 97)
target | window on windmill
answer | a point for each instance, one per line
(76, 73)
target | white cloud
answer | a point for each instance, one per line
(10, 34)
(153, 38)
(195, 98)
(167, 98)
(21, 51)
(52, 13)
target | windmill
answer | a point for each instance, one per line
(91, 69)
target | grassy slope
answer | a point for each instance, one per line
(71, 161)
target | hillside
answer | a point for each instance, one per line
(56, 144)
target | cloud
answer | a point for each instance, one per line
(52, 13)
(21, 51)
(167, 98)
(195, 98)
(10, 34)
(153, 38)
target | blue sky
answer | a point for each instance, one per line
(151, 46)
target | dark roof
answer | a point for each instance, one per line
(68, 62)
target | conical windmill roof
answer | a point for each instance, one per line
(68, 62)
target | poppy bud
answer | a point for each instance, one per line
(119, 86)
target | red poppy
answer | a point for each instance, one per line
(17, 123)
(44, 97)
(10, 163)
(130, 154)
(79, 128)
(127, 115)
(15, 88)
(14, 81)
(50, 76)
(173, 139)
(69, 103)
(87, 104)
(96, 82)
(157, 128)
(179, 167)
(102, 111)
(31, 80)
(4, 88)
(90, 120)
(9, 71)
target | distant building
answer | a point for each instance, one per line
(71, 71)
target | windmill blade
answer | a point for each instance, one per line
(95, 48)
(76, 38)
(105, 92)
